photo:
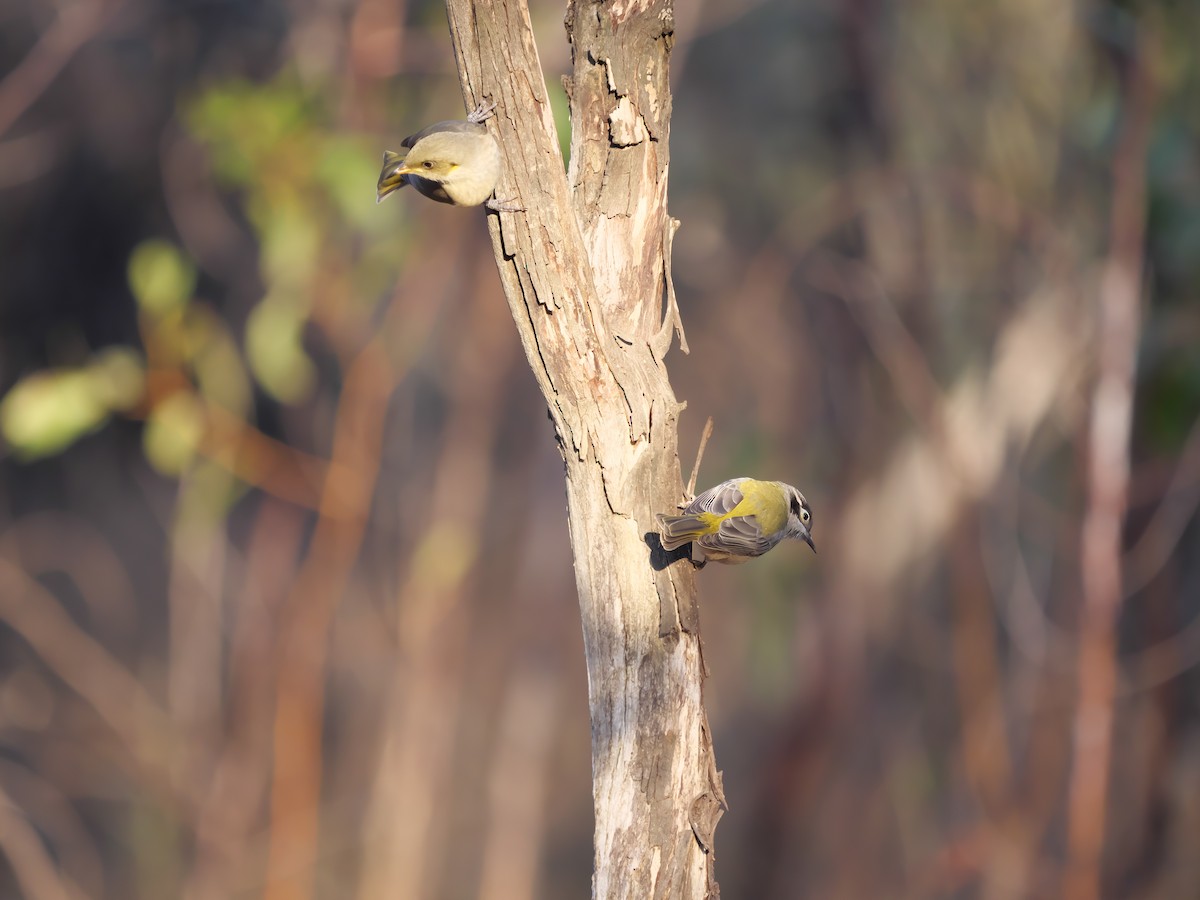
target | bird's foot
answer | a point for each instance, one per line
(482, 113)
(503, 205)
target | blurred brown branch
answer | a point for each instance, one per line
(75, 25)
(1159, 540)
(1119, 312)
(426, 691)
(92, 672)
(37, 872)
(261, 461)
(314, 597)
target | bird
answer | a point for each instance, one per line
(452, 162)
(738, 520)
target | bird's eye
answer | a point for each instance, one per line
(427, 164)
(804, 516)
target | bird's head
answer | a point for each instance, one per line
(800, 519)
(435, 157)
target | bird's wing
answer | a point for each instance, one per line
(453, 125)
(720, 499)
(741, 536)
(695, 520)
(738, 535)
(430, 189)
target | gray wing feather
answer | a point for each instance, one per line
(430, 189)
(741, 536)
(720, 499)
(453, 125)
(676, 531)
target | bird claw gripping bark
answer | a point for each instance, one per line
(482, 113)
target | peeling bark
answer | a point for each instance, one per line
(584, 273)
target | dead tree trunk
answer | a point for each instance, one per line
(583, 270)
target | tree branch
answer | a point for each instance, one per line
(1119, 326)
(583, 271)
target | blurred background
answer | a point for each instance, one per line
(260, 635)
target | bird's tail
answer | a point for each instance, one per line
(676, 531)
(388, 179)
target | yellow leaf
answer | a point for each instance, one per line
(118, 378)
(276, 356)
(173, 432)
(50, 410)
(161, 277)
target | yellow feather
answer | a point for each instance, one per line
(764, 500)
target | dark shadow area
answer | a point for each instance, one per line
(660, 557)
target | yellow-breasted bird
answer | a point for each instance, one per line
(452, 162)
(738, 520)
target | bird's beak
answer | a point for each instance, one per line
(391, 178)
(807, 538)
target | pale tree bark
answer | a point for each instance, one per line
(583, 270)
